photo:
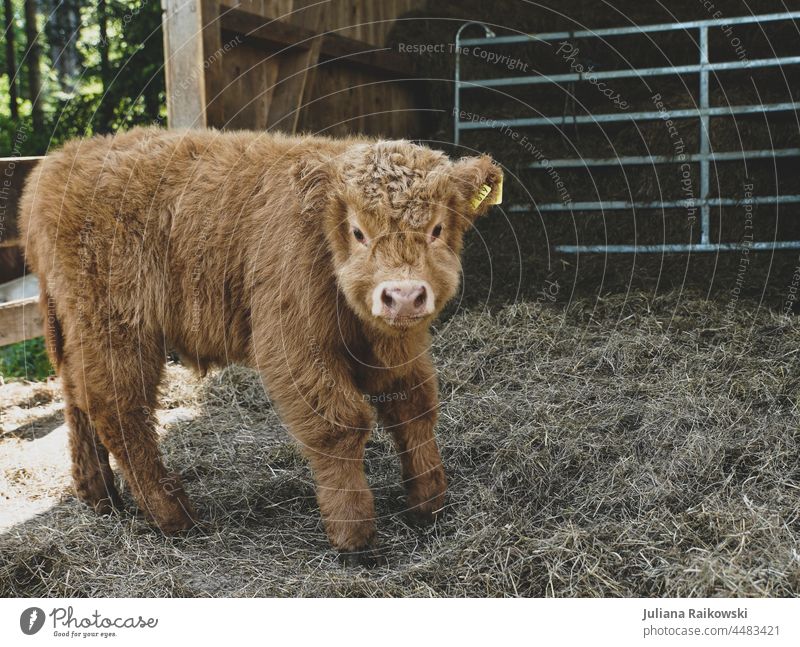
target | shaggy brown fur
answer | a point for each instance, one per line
(257, 249)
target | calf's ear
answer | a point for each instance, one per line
(479, 184)
(312, 179)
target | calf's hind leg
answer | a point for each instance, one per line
(120, 388)
(91, 471)
(92, 476)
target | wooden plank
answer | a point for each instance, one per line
(183, 64)
(256, 52)
(367, 56)
(296, 71)
(249, 80)
(192, 63)
(278, 34)
(349, 100)
(21, 288)
(213, 50)
(12, 265)
(20, 320)
(13, 171)
(266, 31)
(370, 22)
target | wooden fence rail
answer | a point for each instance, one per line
(20, 318)
(13, 171)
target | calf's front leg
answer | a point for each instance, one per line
(333, 437)
(409, 412)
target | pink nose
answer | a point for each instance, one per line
(403, 299)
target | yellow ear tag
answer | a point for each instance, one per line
(484, 191)
(499, 193)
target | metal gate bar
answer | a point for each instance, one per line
(704, 112)
(631, 160)
(627, 31)
(713, 111)
(624, 205)
(627, 74)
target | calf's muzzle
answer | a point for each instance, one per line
(402, 300)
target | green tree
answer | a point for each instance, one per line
(33, 63)
(62, 29)
(118, 82)
(11, 58)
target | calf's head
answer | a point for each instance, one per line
(394, 216)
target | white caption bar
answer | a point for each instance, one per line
(401, 622)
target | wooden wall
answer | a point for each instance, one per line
(364, 20)
(289, 65)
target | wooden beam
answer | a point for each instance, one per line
(20, 320)
(296, 71)
(192, 63)
(213, 50)
(183, 55)
(20, 288)
(268, 32)
(13, 171)
(277, 34)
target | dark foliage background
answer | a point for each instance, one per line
(90, 83)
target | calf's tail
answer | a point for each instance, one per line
(53, 332)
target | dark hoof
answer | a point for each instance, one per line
(423, 515)
(179, 524)
(420, 518)
(108, 506)
(169, 507)
(103, 500)
(366, 558)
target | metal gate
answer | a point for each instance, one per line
(703, 112)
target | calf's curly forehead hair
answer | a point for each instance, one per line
(399, 177)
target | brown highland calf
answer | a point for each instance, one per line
(320, 262)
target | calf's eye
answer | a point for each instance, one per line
(437, 231)
(359, 235)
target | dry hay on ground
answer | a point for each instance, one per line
(647, 448)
